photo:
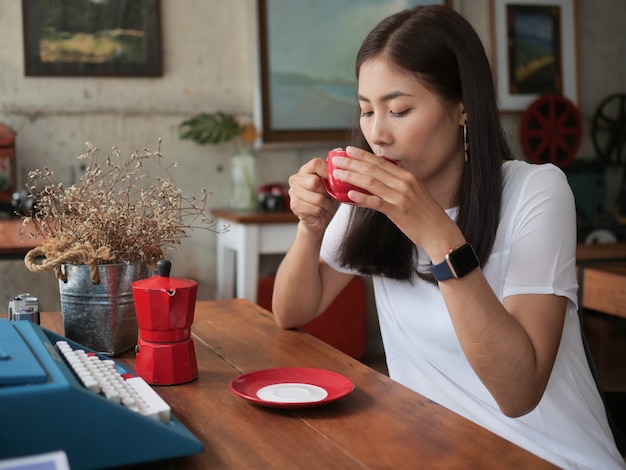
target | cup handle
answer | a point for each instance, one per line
(329, 190)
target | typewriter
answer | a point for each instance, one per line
(56, 394)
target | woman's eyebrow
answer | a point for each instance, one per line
(387, 97)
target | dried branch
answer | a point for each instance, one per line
(115, 206)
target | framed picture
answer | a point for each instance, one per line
(535, 50)
(7, 165)
(307, 50)
(116, 38)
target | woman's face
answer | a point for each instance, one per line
(403, 120)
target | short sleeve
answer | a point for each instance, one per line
(333, 237)
(542, 257)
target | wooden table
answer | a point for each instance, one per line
(381, 424)
(604, 288)
(12, 244)
(250, 235)
(602, 277)
(593, 253)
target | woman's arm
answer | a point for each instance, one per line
(305, 286)
(512, 345)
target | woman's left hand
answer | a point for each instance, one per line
(398, 194)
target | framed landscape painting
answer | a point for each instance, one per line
(92, 38)
(307, 83)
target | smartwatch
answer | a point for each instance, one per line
(459, 262)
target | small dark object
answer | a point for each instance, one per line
(23, 203)
(273, 198)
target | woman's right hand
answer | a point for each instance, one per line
(308, 199)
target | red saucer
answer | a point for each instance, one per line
(292, 387)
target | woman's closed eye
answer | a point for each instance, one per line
(401, 113)
(392, 113)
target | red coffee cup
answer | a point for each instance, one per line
(339, 189)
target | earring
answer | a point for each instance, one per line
(465, 142)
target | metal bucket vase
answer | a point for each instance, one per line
(101, 317)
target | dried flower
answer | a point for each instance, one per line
(117, 213)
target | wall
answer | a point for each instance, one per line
(209, 55)
(207, 58)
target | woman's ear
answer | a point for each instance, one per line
(462, 114)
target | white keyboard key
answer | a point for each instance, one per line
(91, 384)
(101, 376)
(128, 402)
(156, 406)
(111, 394)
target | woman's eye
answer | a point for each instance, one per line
(401, 113)
(366, 113)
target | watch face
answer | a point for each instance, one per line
(463, 260)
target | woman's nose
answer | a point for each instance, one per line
(381, 131)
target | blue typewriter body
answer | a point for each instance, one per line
(44, 408)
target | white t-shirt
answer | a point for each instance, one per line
(534, 253)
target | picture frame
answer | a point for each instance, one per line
(306, 90)
(536, 50)
(8, 171)
(72, 38)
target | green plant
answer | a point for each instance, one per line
(217, 128)
(210, 128)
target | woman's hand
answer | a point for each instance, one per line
(309, 201)
(397, 193)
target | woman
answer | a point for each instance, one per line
(493, 333)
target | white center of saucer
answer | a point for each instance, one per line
(292, 393)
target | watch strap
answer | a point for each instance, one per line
(441, 271)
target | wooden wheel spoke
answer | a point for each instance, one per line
(542, 120)
(551, 130)
(538, 133)
(539, 151)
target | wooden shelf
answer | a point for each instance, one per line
(254, 217)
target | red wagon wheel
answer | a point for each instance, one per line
(551, 131)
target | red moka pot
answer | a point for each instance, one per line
(165, 307)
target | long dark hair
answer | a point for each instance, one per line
(439, 47)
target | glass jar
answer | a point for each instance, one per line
(243, 179)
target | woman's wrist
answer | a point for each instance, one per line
(442, 243)
(308, 234)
